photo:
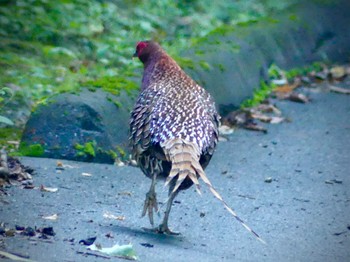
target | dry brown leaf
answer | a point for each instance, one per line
(286, 88)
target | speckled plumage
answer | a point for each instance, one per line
(171, 105)
(173, 130)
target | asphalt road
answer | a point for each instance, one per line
(303, 214)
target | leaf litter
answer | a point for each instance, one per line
(252, 118)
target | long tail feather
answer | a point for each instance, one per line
(184, 157)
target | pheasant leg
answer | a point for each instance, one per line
(151, 201)
(163, 227)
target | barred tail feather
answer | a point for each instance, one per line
(184, 157)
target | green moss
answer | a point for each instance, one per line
(274, 72)
(247, 23)
(204, 65)
(293, 17)
(111, 84)
(221, 68)
(115, 102)
(112, 154)
(88, 149)
(221, 31)
(35, 150)
(302, 71)
(259, 95)
(121, 152)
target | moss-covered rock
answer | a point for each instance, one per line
(87, 127)
(238, 57)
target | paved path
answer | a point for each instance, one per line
(298, 214)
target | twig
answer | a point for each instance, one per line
(92, 254)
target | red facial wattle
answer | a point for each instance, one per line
(139, 48)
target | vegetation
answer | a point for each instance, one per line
(35, 150)
(88, 149)
(275, 73)
(48, 47)
(259, 95)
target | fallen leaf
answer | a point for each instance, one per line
(225, 130)
(261, 117)
(268, 108)
(123, 251)
(48, 189)
(286, 88)
(118, 162)
(340, 90)
(86, 174)
(52, 217)
(255, 127)
(111, 216)
(337, 72)
(296, 97)
(276, 120)
(125, 193)
(14, 257)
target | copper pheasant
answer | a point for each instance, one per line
(173, 129)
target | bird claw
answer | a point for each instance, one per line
(149, 205)
(161, 229)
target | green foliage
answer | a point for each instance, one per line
(35, 150)
(259, 95)
(121, 152)
(112, 84)
(49, 47)
(276, 72)
(88, 149)
(314, 67)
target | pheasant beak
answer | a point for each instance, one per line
(134, 55)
